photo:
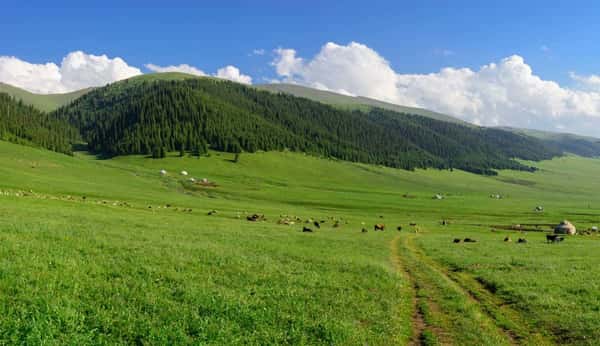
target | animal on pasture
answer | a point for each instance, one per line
(379, 227)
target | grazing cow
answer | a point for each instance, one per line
(364, 230)
(379, 227)
(413, 224)
(212, 212)
(469, 240)
(522, 241)
(456, 240)
(507, 239)
(317, 224)
(399, 228)
(307, 230)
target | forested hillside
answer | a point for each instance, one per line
(150, 117)
(24, 124)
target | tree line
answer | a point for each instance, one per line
(23, 124)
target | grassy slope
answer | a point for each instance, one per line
(167, 276)
(350, 102)
(43, 102)
(550, 135)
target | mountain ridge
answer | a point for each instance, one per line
(146, 116)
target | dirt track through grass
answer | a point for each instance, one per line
(454, 308)
(418, 322)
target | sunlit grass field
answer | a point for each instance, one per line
(110, 251)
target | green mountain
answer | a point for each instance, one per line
(24, 124)
(354, 103)
(43, 102)
(155, 114)
(557, 142)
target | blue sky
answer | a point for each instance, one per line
(410, 34)
(553, 39)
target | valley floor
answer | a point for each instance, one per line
(110, 251)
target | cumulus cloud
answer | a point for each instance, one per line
(185, 68)
(591, 82)
(352, 69)
(77, 70)
(233, 73)
(504, 93)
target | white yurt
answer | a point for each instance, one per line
(565, 227)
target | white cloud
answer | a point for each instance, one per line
(77, 70)
(257, 52)
(502, 93)
(352, 69)
(233, 73)
(286, 64)
(184, 68)
(591, 82)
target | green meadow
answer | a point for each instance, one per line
(112, 252)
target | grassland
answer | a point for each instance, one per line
(109, 251)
